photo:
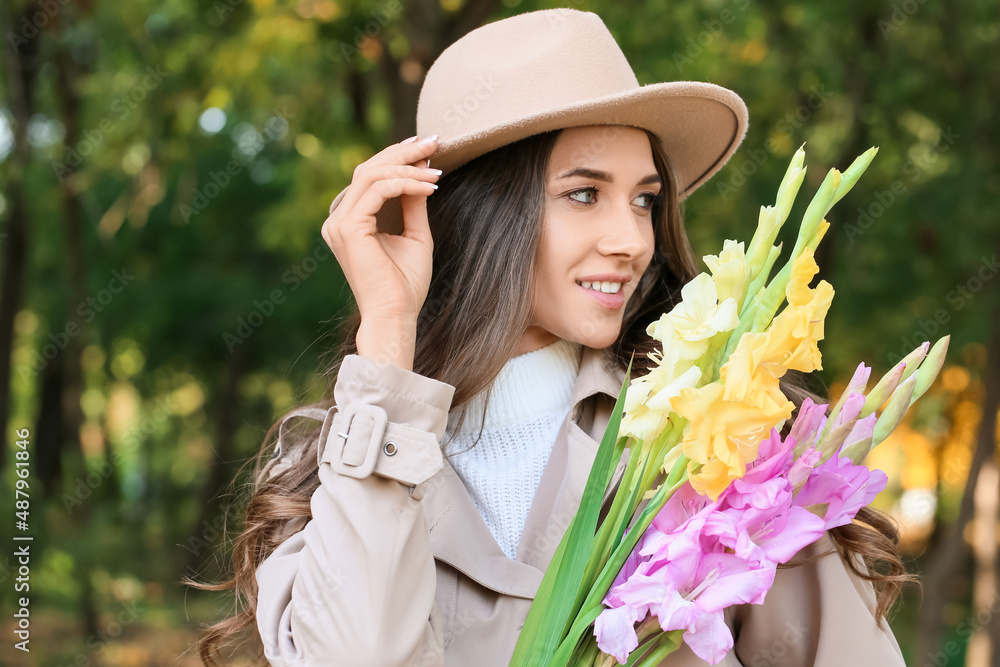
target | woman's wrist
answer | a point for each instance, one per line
(388, 340)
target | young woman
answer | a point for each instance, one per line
(409, 519)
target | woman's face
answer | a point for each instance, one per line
(597, 229)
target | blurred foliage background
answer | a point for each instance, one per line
(166, 294)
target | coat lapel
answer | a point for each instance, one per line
(460, 537)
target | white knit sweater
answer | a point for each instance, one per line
(531, 398)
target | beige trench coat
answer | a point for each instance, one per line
(397, 567)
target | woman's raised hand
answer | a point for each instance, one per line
(389, 274)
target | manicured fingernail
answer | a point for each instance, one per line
(406, 141)
(435, 171)
(433, 185)
(427, 140)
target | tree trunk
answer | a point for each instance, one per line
(50, 431)
(69, 102)
(21, 66)
(984, 546)
(213, 520)
(944, 563)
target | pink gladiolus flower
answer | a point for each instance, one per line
(759, 520)
(687, 588)
(809, 422)
(803, 466)
(859, 380)
(851, 409)
(863, 429)
(843, 486)
(615, 631)
(700, 556)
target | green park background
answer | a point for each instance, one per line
(165, 168)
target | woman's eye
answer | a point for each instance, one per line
(591, 191)
(650, 198)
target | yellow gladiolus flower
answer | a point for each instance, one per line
(697, 318)
(749, 376)
(791, 342)
(729, 271)
(720, 430)
(804, 268)
(648, 398)
(711, 480)
(795, 332)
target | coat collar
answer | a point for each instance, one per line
(460, 537)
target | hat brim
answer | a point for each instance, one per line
(699, 124)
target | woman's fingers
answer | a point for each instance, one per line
(386, 272)
(375, 196)
(416, 226)
(365, 184)
(395, 155)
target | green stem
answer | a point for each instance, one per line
(666, 644)
(602, 545)
(590, 656)
(593, 605)
(569, 643)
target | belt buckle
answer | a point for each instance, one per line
(338, 426)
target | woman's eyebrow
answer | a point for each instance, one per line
(600, 175)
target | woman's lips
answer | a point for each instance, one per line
(610, 301)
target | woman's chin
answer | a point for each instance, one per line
(598, 337)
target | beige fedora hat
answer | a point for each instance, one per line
(559, 68)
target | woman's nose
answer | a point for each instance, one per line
(624, 235)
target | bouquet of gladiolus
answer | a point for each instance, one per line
(713, 498)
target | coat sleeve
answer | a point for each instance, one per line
(356, 585)
(819, 614)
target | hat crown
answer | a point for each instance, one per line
(519, 67)
(552, 69)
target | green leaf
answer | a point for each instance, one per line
(553, 610)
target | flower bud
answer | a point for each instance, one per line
(857, 450)
(853, 173)
(913, 359)
(929, 370)
(883, 389)
(859, 442)
(820, 205)
(890, 418)
(787, 192)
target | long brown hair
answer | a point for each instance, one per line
(486, 221)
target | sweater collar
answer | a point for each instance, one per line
(529, 385)
(460, 537)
